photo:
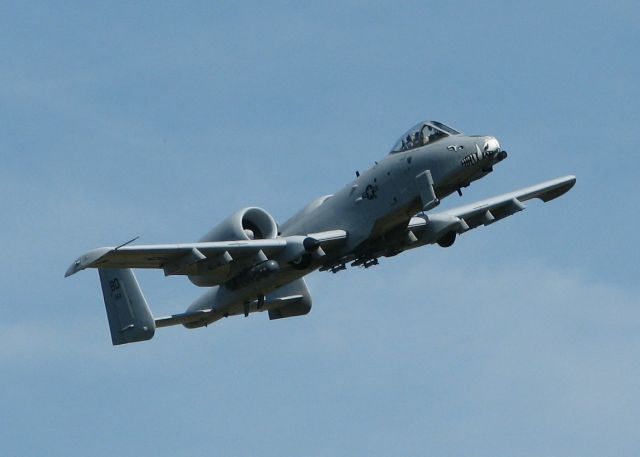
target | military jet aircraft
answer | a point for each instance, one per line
(251, 264)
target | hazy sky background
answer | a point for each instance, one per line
(160, 119)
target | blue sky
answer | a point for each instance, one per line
(161, 118)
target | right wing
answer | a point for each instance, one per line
(186, 258)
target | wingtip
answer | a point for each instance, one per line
(570, 181)
(558, 188)
(73, 268)
(86, 260)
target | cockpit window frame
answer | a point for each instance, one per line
(446, 128)
(414, 138)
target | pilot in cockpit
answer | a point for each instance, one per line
(408, 144)
(426, 131)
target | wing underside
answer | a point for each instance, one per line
(190, 258)
(431, 228)
(493, 209)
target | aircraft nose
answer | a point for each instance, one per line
(492, 149)
(491, 145)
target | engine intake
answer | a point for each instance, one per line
(247, 224)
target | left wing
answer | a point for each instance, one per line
(177, 259)
(432, 228)
(493, 209)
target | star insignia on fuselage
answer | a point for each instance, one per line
(370, 192)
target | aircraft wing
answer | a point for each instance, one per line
(178, 259)
(485, 212)
(493, 209)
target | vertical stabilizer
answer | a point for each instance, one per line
(130, 319)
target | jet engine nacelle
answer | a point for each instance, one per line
(246, 224)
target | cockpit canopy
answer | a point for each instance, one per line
(421, 134)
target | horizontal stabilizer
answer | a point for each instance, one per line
(182, 318)
(270, 304)
(292, 306)
(294, 300)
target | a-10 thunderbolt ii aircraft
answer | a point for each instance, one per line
(249, 263)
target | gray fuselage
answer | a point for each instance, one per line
(379, 202)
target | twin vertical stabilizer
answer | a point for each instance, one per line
(130, 319)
